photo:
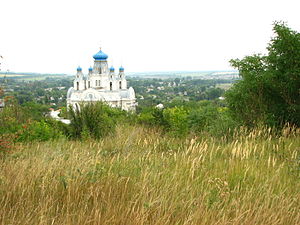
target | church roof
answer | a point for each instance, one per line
(100, 55)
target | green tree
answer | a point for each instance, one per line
(269, 91)
(214, 93)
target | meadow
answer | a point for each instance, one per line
(141, 176)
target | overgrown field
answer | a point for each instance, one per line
(139, 176)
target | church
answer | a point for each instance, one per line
(101, 84)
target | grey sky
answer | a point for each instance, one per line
(155, 35)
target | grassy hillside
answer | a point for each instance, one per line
(139, 176)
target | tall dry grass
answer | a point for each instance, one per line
(139, 176)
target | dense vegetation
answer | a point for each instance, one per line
(149, 92)
(51, 91)
(197, 160)
(269, 92)
(194, 101)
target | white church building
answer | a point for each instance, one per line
(101, 84)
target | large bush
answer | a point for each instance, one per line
(205, 116)
(12, 116)
(176, 121)
(93, 120)
(26, 122)
(202, 118)
(151, 116)
(38, 131)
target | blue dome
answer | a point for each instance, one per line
(112, 68)
(100, 56)
(90, 69)
(79, 68)
(121, 68)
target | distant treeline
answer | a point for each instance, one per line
(22, 75)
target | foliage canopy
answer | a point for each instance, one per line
(269, 91)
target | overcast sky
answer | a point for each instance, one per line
(154, 35)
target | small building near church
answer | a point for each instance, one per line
(101, 84)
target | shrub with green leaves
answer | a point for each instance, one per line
(146, 118)
(202, 118)
(94, 120)
(38, 131)
(176, 121)
(212, 119)
(12, 117)
(152, 116)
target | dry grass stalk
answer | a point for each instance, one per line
(139, 176)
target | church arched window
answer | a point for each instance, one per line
(89, 84)
(77, 85)
(120, 84)
(111, 86)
